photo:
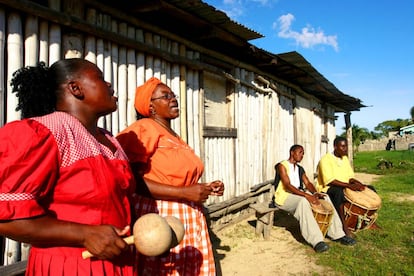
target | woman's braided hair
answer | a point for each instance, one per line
(39, 87)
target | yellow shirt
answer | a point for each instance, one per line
(330, 168)
(281, 194)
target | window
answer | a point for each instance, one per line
(218, 106)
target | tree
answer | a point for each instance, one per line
(412, 114)
(359, 135)
(375, 135)
(391, 125)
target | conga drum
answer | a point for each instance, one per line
(360, 208)
(323, 215)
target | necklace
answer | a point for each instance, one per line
(167, 127)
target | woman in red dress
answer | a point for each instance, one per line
(65, 183)
(158, 155)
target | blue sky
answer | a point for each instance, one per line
(365, 48)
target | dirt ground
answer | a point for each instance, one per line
(239, 252)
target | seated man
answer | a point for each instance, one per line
(291, 197)
(335, 174)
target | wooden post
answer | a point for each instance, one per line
(55, 36)
(115, 63)
(348, 127)
(131, 79)
(183, 95)
(2, 76)
(122, 80)
(175, 86)
(72, 42)
(295, 119)
(15, 50)
(31, 41)
(44, 42)
(107, 71)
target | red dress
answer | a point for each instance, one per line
(169, 160)
(53, 165)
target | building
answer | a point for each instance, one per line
(406, 130)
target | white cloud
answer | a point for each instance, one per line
(233, 12)
(237, 8)
(308, 38)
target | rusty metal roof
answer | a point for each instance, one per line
(217, 18)
(298, 70)
(191, 19)
(204, 25)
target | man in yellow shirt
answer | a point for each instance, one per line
(335, 174)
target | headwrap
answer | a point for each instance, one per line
(143, 96)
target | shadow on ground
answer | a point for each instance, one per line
(285, 220)
(282, 219)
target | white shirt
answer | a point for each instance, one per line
(294, 175)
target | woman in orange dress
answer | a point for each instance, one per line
(65, 183)
(170, 171)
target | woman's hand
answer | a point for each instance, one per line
(217, 187)
(198, 193)
(105, 241)
(201, 191)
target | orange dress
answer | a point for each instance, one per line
(168, 159)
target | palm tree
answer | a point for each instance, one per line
(412, 113)
(359, 135)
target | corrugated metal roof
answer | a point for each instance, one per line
(217, 17)
(316, 84)
(193, 20)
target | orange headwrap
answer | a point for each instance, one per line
(143, 96)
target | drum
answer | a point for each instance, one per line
(360, 208)
(323, 215)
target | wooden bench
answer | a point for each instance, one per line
(16, 269)
(264, 216)
(264, 209)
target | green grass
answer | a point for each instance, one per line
(367, 162)
(389, 251)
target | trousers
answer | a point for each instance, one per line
(301, 209)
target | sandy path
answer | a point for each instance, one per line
(239, 252)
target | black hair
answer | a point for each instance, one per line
(39, 87)
(294, 147)
(139, 116)
(339, 139)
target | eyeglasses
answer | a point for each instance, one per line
(168, 96)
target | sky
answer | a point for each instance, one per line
(363, 47)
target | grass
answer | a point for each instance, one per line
(368, 162)
(389, 251)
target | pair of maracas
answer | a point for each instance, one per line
(153, 235)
